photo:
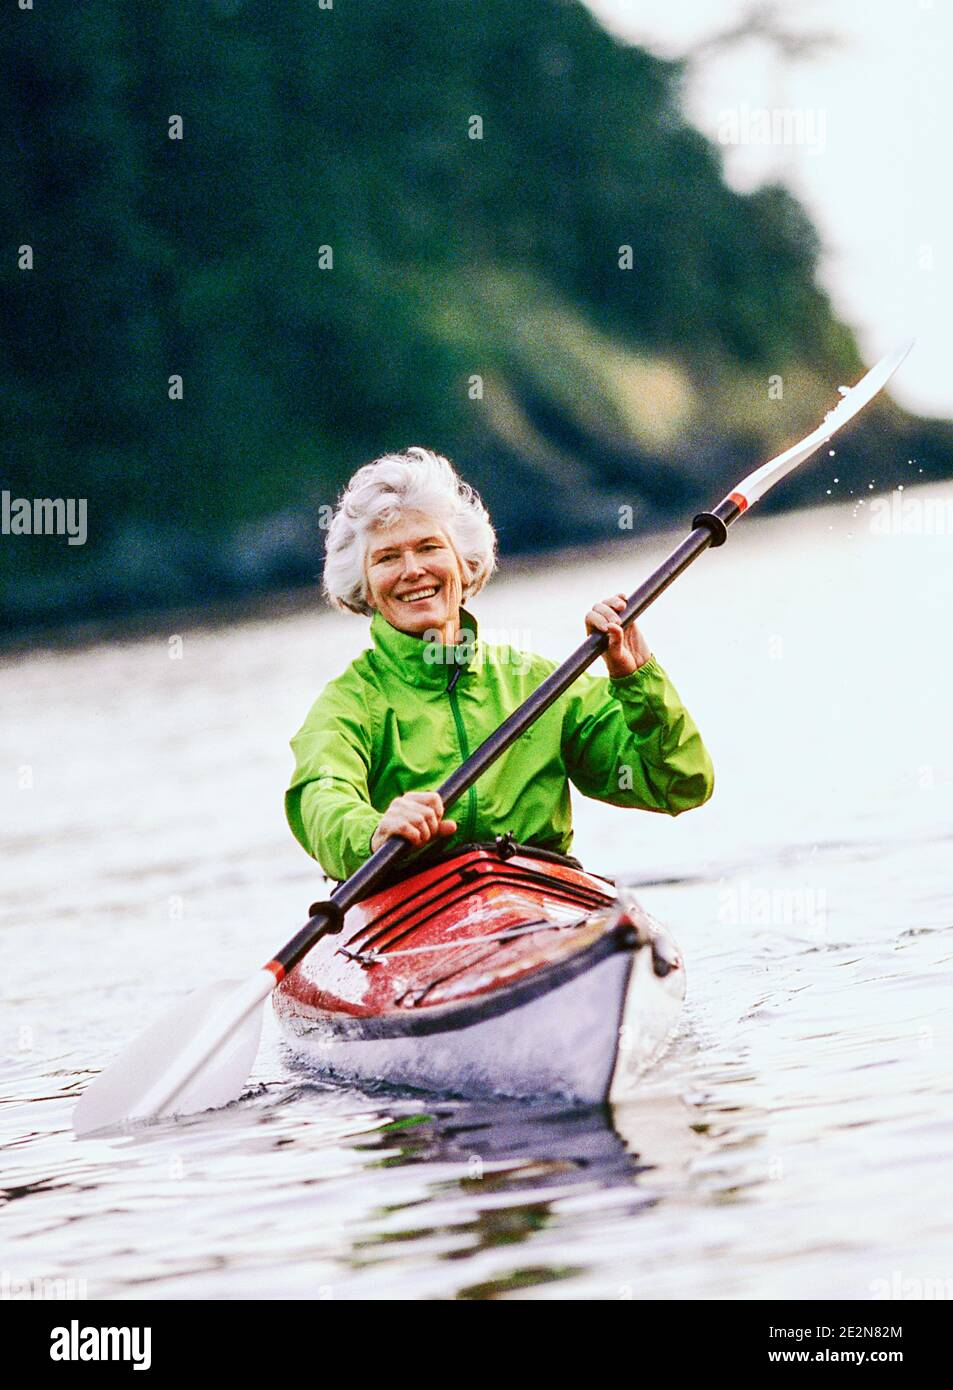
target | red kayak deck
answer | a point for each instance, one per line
(472, 925)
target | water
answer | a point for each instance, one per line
(793, 1143)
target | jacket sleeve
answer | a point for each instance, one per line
(328, 803)
(632, 742)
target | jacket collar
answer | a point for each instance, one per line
(420, 661)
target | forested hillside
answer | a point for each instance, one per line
(333, 266)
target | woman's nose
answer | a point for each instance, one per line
(411, 563)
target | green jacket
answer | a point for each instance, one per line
(389, 725)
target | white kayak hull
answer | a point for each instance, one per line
(587, 1040)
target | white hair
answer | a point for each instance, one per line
(379, 494)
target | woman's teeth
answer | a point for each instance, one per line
(418, 595)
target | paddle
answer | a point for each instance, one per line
(200, 1054)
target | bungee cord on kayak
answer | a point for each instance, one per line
(377, 956)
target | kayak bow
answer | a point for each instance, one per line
(498, 970)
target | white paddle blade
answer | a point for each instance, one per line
(195, 1058)
(764, 478)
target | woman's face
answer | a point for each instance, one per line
(413, 576)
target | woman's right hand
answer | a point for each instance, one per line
(415, 815)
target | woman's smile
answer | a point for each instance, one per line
(420, 595)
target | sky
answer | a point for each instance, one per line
(870, 157)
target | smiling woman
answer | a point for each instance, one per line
(409, 544)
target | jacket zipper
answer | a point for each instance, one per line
(465, 750)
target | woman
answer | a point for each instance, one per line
(408, 543)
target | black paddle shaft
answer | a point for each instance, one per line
(708, 529)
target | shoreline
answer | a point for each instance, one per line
(277, 603)
(281, 603)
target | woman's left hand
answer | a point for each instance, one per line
(628, 649)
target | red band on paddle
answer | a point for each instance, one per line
(277, 969)
(739, 500)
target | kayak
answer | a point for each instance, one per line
(500, 970)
